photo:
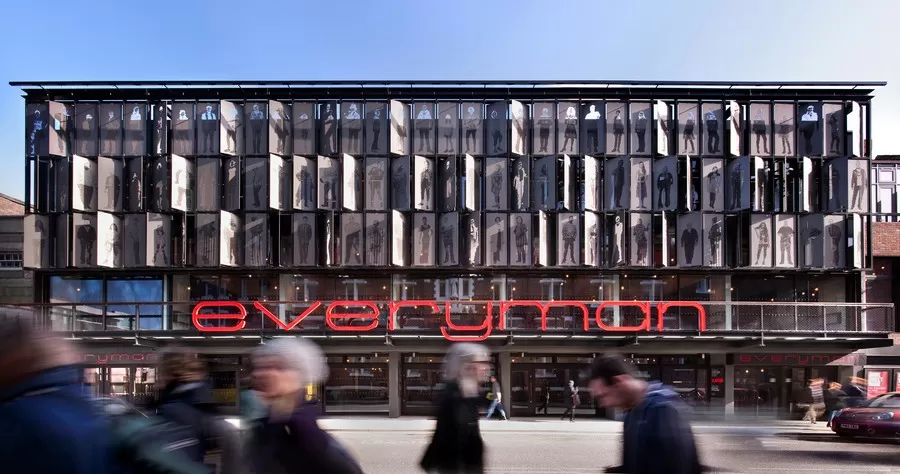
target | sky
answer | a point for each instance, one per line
(703, 40)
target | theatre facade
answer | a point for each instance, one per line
(715, 234)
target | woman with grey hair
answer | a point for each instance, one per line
(288, 438)
(457, 446)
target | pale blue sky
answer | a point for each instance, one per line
(772, 40)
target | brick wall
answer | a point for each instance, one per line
(886, 239)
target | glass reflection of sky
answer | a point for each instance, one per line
(85, 291)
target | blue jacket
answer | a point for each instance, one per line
(657, 437)
(49, 425)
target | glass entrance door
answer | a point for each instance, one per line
(520, 387)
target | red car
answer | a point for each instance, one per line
(875, 418)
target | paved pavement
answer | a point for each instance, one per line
(392, 446)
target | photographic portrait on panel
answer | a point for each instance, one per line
(84, 243)
(785, 234)
(280, 128)
(473, 128)
(498, 137)
(376, 184)
(183, 128)
(134, 184)
(518, 128)
(38, 235)
(376, 136)
(568, 239)
(61, 128)
(447, 183)
(376, 239)
(135, 117)
(37, 129)
(304, 183)
(159, 240)
(761, 129)
(208, 129)
(423, 227)
(593, 128)
(424, 125)
(448, 239)
(255, 184)
(111, 129)
(400, 249)
(159, 183)
(689, 125)
(837, 180)
(400, 132)
(689, 241)
(496, 252)
(231, 128)
(182, 173)
(835, 128)
(811, 240)
(520, 239)
(329, 183)
(87, 128)
(735, 118)
(592, 188)
(63, 233)
(858, 185)
(400, 183)
(64, 181)
(134, 244)
(520, 187)
(616, 237)
(544, 185)
(328, 127)
(279, 186)
(739, 173)
(474, 238)
(351, 127)
(616, 128)
(761, 248)
(109, 240)
(305, 237)
(642, 180)
(835, 230)
(591, 240)
(448, 128)
(159, 128)
(256, 128)
(762, 172)
(543, 133)
(207, 226)
(352, 174)
(351, 239)
(423, 183)
(785, 129)
(303, 121)
(713, 128)
(496, 176)
(256, 240)
(640, 115)
(661, 119)
(233, 183)
(567, 131)
(84, 183)
(209, 172)
(230, 239)
(640, 239)
(109, 176)
(713, 240)
(809, 124)
(617, 177)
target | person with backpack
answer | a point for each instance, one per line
(572, 401)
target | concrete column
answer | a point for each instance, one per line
(503, 375)
(394, 384)
(729, 390)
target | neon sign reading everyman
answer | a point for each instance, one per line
(343, 315)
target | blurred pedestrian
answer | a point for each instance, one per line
(572, 401)
(457, 446)
(834, 401)
(546, 400)
(656, 437)
(496, 398)
(855, 388)
(251, 405)
(817, 400)
(288, 438)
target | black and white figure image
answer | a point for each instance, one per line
(37, 130)
(569, 252)
(760, 127)
(447, 184)
(859, 187)
(448, 127)
(400, 248)
(810, 128)
(135, 129)
(496, 239)
(424, 125)
(448, 238)
(207, 240)
(544, 184)
(520, 239)
(280, 128)
(400, 135)
(591, 239)
(687, 128)
(568, 127)
(87, 127)
(231, 123)
(836, 248)
(352, 183)
(109, 173)
(159, 238)
(689, 243)
(209, 172)
(351, 128)
(640, 239)
(592, 184)
(661, 116)
(734, 114)
(329, 183)
(400, 183)
(63, 233)
(497, 129)
(329, 222)
(255, 184)
(713, 198)
(278, 184)
(641, 177)
(592, 128)
(834, 129)
(229, 239)
(304, 230)
(37, 238)
(762, 172)
(812, 241)
(109, 237)
(159, 176)
(517, 128)
(424, 183)
(713, 127)
(739, 183)
(183, 128)
(785, 129)
(714, 235)
(62, 128)
(617, 256)
(376, 239)
(473, 238)
(256, 238)
(496, 175)
(352, 239)
(472, 123)
(544, 133)
(785, 228)
(111, 129)
(616, 127)
(304, 188)
(328, 124)
(256, 129)
(760, 240)
(208, 132)
(134, 245)
(617, 184)
(640, 127)
(84, 183)
(159, 129)
(181, 171)
(233, 177)
(665, 185)
(64, 183)
(85, 244)
(376, 184)
(303, 121)
(423, 239)
(836, 171)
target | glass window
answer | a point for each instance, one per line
(75, 290)
(10, 260)
(123, 316)
(82, 310)
(358, 388)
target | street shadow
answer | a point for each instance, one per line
(834, 438)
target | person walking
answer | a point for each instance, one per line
(835, 401)
(496, 400)
(546, 400)
(817, 400)
(572, 401)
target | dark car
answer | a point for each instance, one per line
(875, 418)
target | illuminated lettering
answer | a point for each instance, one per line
(331, 316)
(197, 317)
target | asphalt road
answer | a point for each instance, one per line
(560, 447)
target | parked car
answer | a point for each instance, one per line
(875, 418)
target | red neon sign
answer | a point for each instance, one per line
(340, 315)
